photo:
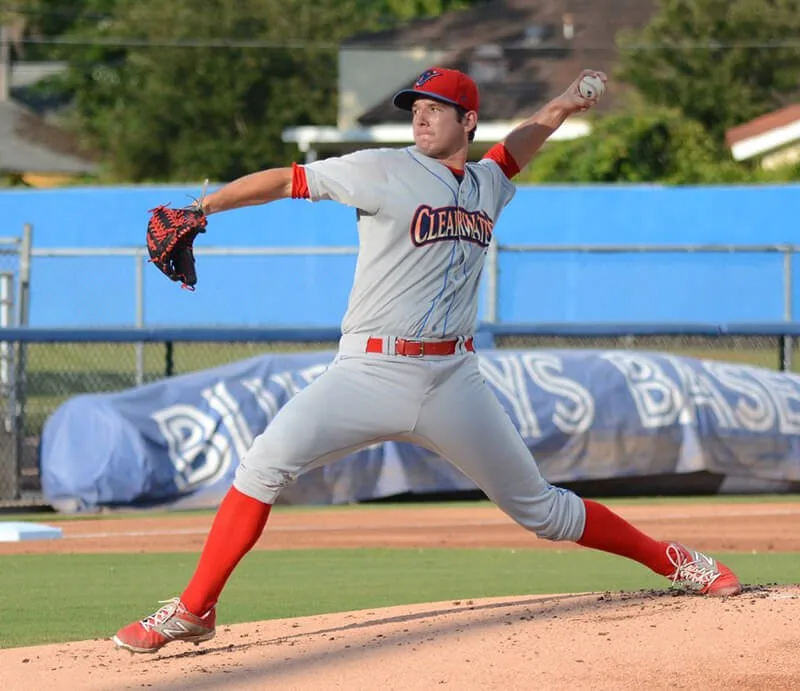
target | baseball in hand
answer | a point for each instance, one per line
(591, 87)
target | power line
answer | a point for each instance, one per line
(221, 43)
(51, 12)
(302, 44)
(713, 45)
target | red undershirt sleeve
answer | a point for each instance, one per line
(502, 156)
(299, 182)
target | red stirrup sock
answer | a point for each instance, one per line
(239, 522)
(611, 533)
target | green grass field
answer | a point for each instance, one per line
(50, 598)
(81, 596)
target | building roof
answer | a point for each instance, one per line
(29, 144)
(542, 48)
(25, 74)
(765, 133)
(459, 29)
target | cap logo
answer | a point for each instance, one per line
(425, 77)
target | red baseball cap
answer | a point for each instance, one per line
(440, 84)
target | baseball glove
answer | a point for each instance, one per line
(170, 238)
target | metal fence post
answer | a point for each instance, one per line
(169, 359)
(14, 302)
(139, 259)
(24, 291)
(8, 463)
(7, 348)
(20, 375)
(9, 460)
(787, 342)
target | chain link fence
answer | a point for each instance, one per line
(58, 371)
(772, 352)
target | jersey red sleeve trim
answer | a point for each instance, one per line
(502, 156)
(299, 182)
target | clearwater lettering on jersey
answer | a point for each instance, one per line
(434, 225)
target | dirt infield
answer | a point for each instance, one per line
(601, 641)
(767, 527)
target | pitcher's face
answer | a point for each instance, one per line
(438, 130)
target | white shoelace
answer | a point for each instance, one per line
(695, 573)
(159, 617)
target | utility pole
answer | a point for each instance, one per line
(5, 64)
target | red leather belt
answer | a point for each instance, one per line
(409, 348)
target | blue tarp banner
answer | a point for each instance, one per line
(584, 414)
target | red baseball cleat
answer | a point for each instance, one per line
(698, 573)
(173, 622)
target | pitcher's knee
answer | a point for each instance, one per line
(271, 464)
(556, 514)
(264, 483)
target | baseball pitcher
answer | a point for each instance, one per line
(406, 367)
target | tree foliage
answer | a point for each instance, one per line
(171, 101)
(721, 62)
(655, 145)
(394, 10)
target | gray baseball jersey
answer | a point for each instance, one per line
(423, 236)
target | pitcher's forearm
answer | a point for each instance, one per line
(525, 140)
(249, 190)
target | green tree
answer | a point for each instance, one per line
(721, 62)
(156, 88)
(168, 111)
(394, 10)
(656, 145)
(40, 22)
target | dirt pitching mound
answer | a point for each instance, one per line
(647, 639)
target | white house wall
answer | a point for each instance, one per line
(368, 76)
(761, 144)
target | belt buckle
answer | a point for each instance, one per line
(421, 347)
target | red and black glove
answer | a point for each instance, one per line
(170, 239)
